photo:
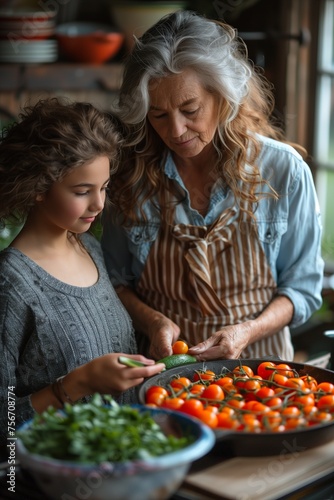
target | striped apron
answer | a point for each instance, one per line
(204, 278)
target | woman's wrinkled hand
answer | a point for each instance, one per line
(227, 343)
(163, 333)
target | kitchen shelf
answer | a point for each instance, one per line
(59, 76)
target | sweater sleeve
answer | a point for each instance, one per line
(12, 314)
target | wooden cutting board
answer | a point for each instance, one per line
(268, 478)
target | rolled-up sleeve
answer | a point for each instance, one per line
(299, 262)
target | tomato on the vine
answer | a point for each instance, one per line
(265, 393)
(172, 403)
(213, 391)
(226, 421)
(310, 382)
(252, 385)
(284, 369)
(326, 402)
(275, 399)
(295, 384)
(156, 398)
(197, 389)
(156, 388)
(326, 387)
(192, 407)
(279, 379)
(275, 402)
(223, 381)
(204, 375)
(180, 383)
(243, 371)
(266, 369)
(209, 418)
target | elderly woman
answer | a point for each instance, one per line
(215, 229)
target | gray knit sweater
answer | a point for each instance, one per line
(48, 327)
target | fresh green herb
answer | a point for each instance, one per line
(94, 432)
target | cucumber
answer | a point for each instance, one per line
(177, 360)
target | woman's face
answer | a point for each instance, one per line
(183, 113)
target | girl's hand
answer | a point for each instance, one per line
(163, 333)
(107, 376)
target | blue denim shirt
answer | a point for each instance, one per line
(289, 229)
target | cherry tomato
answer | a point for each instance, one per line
(223, 381)
(249, 423)
(326, 387)
(319, 417)
(192, 407)
(260, 409)
(294, 422)
(180, 383)
(252, 385)
(275, 402)
(172, 403)
(156, 398)
(248, 406)
(237, 401)
(271, 420)
(209, 418)
(291, 411)
(286, 370)
(240, 382)
(266, 369)
(226, 421)
(213, 391)
(204, 375)
(326, 402)
(243, 371)
(197, 389)
(279, 379)
(304, 400)
(180, 347)
(310, 382)
(156, 388)
(296, 384)
(229, 411)
(211, 408)
(265, 393)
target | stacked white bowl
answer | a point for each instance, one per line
(26, 36)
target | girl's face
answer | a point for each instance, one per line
(73, 203)
(183, 113)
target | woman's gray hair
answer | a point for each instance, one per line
(179, 41)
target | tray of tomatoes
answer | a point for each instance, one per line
(257, 407)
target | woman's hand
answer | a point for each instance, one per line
(227, 343)
(162, 333)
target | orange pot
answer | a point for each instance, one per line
(91, 43)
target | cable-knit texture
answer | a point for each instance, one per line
(48, 327)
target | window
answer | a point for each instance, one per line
(324, 129)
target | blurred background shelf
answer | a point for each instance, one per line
(59, 76)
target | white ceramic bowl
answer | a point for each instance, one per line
(134, 18)
(153, 479)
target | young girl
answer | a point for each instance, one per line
(62, 325)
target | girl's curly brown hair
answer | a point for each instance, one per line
(46, 143)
